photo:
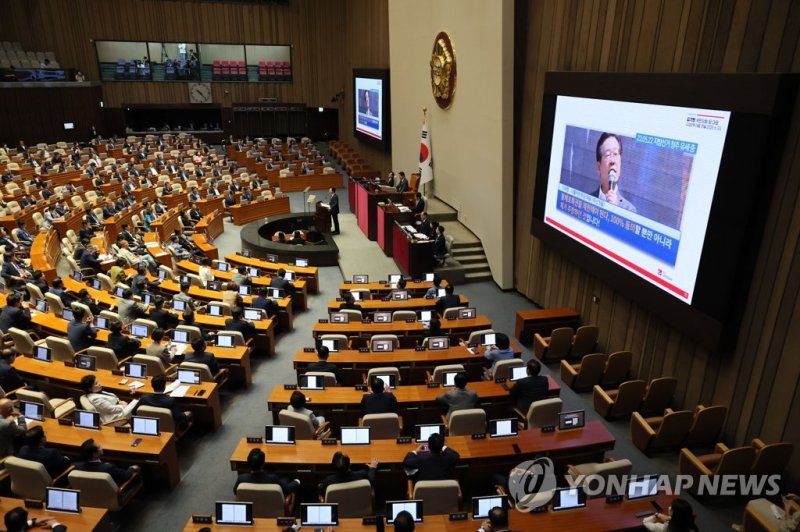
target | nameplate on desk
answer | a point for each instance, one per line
(322, 320)
(122, 429)
(434, 384)
(366, 320)
(417, 281)
(205, 519)
(479, 436)
(329, 441)
(384, 283)
(411, 320)
(65, 422)
(428, 296)
(69, 364)
(472, 346)
(451, 317)
(289, 386)
(361, 387)
(458, 516)
(308, 350)
(386, 299)
(254, 439)
(286, 521)
(370, 520)
(500, 380)
(419, 348)
(539, 509)
(403, 439)
(549, 428)
(339, 299)
(363, 349)
(613, 499)
(33, 503)
(116, 372)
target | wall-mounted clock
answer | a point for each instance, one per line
(443, 70)
(200, 92)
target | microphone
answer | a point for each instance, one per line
(613, 179)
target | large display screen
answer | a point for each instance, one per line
(371, 106)
(635, 183)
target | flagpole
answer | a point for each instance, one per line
(424, 120)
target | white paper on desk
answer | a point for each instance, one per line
(403, 208)
(151, 244)
(180, 391)
(420, 236)
(325, 205)
(104, 257)
(172, 386)
(177, 349)
(410, 228)
(135, 385)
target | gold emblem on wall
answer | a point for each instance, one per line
(443, 70)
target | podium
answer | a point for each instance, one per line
(322, 219)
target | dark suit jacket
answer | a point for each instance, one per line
(206, 358)
(280, 282)
(432, 466)
(446, 302)
(119, 474)
(267, 477)
(52, 460)
(164, 318)
(162, 400)
(527, 390)
(10, 270)
(379, 403)
(14, 317)
(419, 207)
(265, 303)
(89, 260)
(349, 476)
(440, 246)
(9, 378)
(351, 306)
(123, 346)
(327, 367)
(402, 185)
(334, 203)
(247, 329)
(80, 335)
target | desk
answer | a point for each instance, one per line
(256, 210)
(45, 252)
(166, 224)
(352, 365)
(543, 321)
(388, 214)
(408, 333)
(157, 455)
(596, 516)
(94, 519)
(310, 461)
(142, 194)
(58, 378)
(210, 225)
(72, 220)
(414, 303)
(320, 181)
(414, 257)
(113, 226)
(382, 289)
(309, 273)
(205, 246)
(416, 403)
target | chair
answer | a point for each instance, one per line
(759, 517)
(86, 310)
(328, 378)
(61, 349)
(304, 429)
(403, 315)
(53, 408)
(354, 498)
(771, 459)
(105, 282)
(466, 422)
(502, 368)
(382, 426)
(166, 422)
(205, 374)
(194, 332)
(617, 370)
(268, 499)
(584, 375)
(621, 402)
(86, 404)
(237, 336)
(662, 432)
(439, 371)
(706, 427)
(105, 358)
(99, 490)
(155, 366)
(611, 468)
(30, 479)
(451, 313)
(585, 341)
(24, 343)
(170, 273)
(542, 413)
(554, 347)
(376, 337)
(475, 336)
(355, 315)
(658, 395)
(34, 291)
(150, 324)
(438, 496)
(723, 461)
(383, 370)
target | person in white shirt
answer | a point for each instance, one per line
(205, 272)
(680, 518)
(108, 405)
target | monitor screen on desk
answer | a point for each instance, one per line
(571, 420)
(568, 498)
(253, 271)
(180, 337)
(383, 346)
(189, 376)
(302, 263)
(356, 295)
(234, 513)
(339, 317)
(395, 507)
(436, 343)
(213, 285)
(468, 313)
(41, 305)
(214, 310)
(312, 382)
(382, 317)
(63, 500)
(254, 314)
(101, 323)
(517, 373)
(360, 279)
(277, 293)
(332, 345)
(425, 316)
(77, 275)
(449, 377)
(481, 506)
(502, 427)
(178, 305)
(33, 411)
(429, 277)
(441, 292)
(140, 331)
(423, 432)
(244, 290)
(355, 435)
(394, 278)
(223, 266)
(87, 362)
(96, 284)
(135, 371)
(289, 275)
(225, 340)
(489, 339)
(119, 291)
(399, 295)
(146, 426)
(67, 314)
(640, 486)
(162, 275)
(389, 381)
(272, 258)
(319, 514)
(45, 354)
(86, 420)
(147, 298)
(279, 434)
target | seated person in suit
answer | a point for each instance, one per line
(81, 335)
(90, 261)
(10, 430)
(531, 388)
(402, 184)
(297, 403)
(497, 522)
(379, 401)
(279, 282)
(341, 464)
(237, 323)
(349, 303)
(425, 225)
(188, 319)
(23, 236)
(177, 249)
(86, 230)
(9, 378)
(107, 404)
(163, 318)
(14, 274)
(322, 363)
(123, 346)
(159, 399)
(297, 239)
(57, 288)
(458, 398)
(128, 309)
(199, 355)
(258, 475)
(117, 271)
(89, 460)
(438, 464)
(263, 302)
(184, 296)
(53, 461)
(231, 295)
(240, 277)
(404, 522)
(419, 206)
(86, 299)
(14, 315)
(449, 300)
(500, 351)
(439, 245)
(16, 520)
(437, 284)
(159, 348)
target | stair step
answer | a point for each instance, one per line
(467, 245)
(470, 259)
(474, 277)
(482, 267)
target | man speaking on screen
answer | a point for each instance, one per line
(609, 167)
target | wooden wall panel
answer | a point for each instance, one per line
(759, 379)
(328, 39)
